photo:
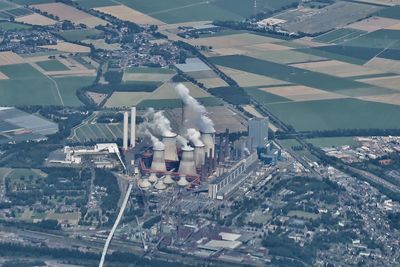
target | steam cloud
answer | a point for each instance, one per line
(194, 136)
(182, 141)
(199, 117)
(157, 144)
(157, 123)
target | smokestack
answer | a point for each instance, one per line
(209, 143)
(153, 178)
(170, 147)
(199, 155)
(158, 163)
(187, 165)
(133, 127)
(125, 137)
(182, 181)
(144, 183)
(160, 185)
(168, 179)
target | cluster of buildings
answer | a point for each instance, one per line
(372, 147)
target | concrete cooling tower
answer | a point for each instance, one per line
(158, 163)
(187, 165)
(209, 143)
(170, 147)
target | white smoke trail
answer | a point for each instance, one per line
(200, 118)
(182, 141)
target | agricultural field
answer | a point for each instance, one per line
(337, 114)
(68, 47)
(89, 131)
(147, 75)
(332, 141)
(339, 35)
(52, 65)
(12, 26)
(66, 12)
(24, 80)
(36, 19)
(80, 35)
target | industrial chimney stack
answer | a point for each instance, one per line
(125, 137)
(209, 143)
(133, 127)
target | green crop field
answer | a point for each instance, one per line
(288, 73)
(79, 35)
(174, 11)
(390, 12)
(176, 103)
(68, 87)
(32, 2)
(18, 12)
(338, 35)
(378, 39)
(5, 5)
(265, 97)
(52, 65)
(12, 26)
(98, 131)
(95, 3)
(337, 114)
(332, 141)
(26, 86)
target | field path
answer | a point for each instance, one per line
(84, 122)
(51, 79)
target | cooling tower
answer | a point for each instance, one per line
(158, 163)
(168, 179)
(170, 147)
(182, 181)
(187, 165)
(144, 183)
(199, 155)
(153, 178)
(160, 185)
(133, 127)
(209, 143)
(125, 137)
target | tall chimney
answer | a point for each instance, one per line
(170, 147)
(187, 165)
(125, 137)
(158, 163)
(133, 127)
(209, 143)
(199, 155)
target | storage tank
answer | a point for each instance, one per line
(160, 185)
(144, 183)
(153, 178)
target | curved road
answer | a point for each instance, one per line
(110, 236)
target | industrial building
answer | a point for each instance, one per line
(221, 186)
(100, 155)
(258, 132)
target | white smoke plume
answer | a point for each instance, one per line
(157, 123)
(194, 136)
(182, 141)
(157, 144)
(200, 118)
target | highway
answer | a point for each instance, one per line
(120, 214)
